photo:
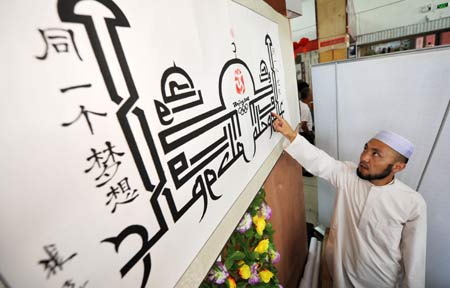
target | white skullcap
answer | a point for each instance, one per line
(396, 142)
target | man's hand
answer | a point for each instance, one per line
(282, 126)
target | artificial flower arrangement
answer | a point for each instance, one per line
(249, 256)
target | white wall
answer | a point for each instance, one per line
(305, 25)
(373, 16)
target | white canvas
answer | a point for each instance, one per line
(101, 189)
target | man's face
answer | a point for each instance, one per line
(377, 161)
(310, 96)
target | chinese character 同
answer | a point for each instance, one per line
(59, 39)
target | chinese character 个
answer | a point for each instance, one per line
(122, 192)
(58, 39)
(106, 164)
(54, 261)
(85, 113)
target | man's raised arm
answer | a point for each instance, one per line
(313, 159)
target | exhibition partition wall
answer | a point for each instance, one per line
(406, 93)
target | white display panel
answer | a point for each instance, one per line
(325, 107)
(405, 94)
(435, 189)
(325, 121)
(129, 134)
(408, 94)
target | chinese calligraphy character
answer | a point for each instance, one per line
(70, 284)
(85, 113)
(106, 164)
(125, 192)
(59, 39)
(54, 261)
(64, 90)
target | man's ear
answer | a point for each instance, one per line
(398, 166)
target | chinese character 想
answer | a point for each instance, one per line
(121, 194)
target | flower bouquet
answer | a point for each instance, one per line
(249, 256)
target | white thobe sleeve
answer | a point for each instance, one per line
(315, 160)
(413, 247)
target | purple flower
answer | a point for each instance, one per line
(254, 278)
(245, 224)
(265, 211)
(280, 286)
(274, 256)
(218, 273)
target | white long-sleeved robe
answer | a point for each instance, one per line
(378, 233)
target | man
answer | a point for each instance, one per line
(378, 229)
(306, 121)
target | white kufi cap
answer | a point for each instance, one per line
(396, 142)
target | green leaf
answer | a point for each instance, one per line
(205, 285)
(237, 256)
(240, 247)
(250, 233)
(228, 263)
(233, 240)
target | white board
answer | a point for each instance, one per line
(408, 94)
(435, 189)
(403, 93)
(179, 124)
(325, 122)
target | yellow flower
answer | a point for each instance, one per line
(265, 275)
(231, 283)
(260, 223)
(262, 246)
(244, 271)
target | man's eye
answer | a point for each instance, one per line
(376, 154)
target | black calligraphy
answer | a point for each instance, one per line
(85, 113)
(106, 161)
(61, 40)
(64, 90)
(54, 262)
(217, 137)
(121, 194)
(71, 284)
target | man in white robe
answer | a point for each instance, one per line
(378, 229)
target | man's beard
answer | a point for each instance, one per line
(379, 176)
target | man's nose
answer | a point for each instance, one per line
(365, 157)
